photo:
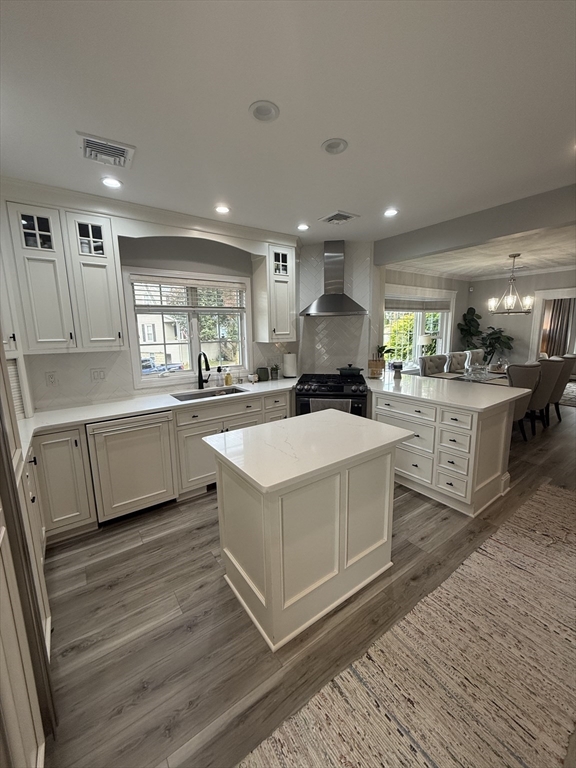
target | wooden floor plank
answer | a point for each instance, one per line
(156, 665)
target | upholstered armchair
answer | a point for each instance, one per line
(456, 362)
(524, 377)
(431, 364)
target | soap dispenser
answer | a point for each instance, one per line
(219, 377)
(227, 378)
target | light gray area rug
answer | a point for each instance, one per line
(480, 674)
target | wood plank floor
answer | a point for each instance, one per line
(156, 665)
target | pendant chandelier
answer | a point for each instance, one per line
(510, 302)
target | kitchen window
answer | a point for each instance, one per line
(176, 318)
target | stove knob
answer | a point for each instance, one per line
(314, 388)
(354, 388)
(362, 389)
(299, 388)
(307, 388)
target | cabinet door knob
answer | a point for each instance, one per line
(415, 465)
(33, 499)
(451, 462)
(273, 330)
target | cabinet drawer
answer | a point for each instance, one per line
(457, 441)
(423, 437)
(450, 484)
(456, 418)
(276, 401)
(414, 464)
(406, 407)
(281, 413)
(453, 462)
(185, 416)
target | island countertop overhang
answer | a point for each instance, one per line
(279, 454)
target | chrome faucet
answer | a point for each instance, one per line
(201, 379)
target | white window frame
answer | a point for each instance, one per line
(393, 291)
(187, 377)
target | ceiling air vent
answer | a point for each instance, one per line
(105, 151)
(340, 217)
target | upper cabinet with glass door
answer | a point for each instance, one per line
(42, 276)
(274, 282)
(95, 278)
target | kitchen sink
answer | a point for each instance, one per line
(202, 394)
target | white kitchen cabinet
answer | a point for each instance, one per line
(64, 483)
(195, 460)
(274, 292)
(133, 462)
(10, 337)
(95, 276)
(42, 276)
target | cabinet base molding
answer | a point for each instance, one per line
(55, 536)
(489, 493)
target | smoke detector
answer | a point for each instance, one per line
(340, 217)
(105, 151)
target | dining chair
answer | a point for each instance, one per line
(431, 364)
(456, 362)
(524, 376)
(549, 373)
(475, 357)
(560, 385)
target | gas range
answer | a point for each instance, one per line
(332, 384)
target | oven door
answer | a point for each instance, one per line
(357, 404)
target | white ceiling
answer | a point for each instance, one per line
(539, 250)
(448, 107)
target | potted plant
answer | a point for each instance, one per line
(495, 340)
(377, 365)
(274, 369)
(470, 329)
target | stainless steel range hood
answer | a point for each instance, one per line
(334, 301)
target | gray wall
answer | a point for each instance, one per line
(518, 326)
(184, 254)
(397, 277)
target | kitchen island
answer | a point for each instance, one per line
(458, 452)
(305, 514)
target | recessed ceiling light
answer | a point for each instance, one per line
(222, 209)
(389, 212)
(109, 181)
(264, 111)
(334, 146)
(303, 227)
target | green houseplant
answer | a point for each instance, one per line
(469, 328)
(495, 340)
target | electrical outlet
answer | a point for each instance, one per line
(98, 374)
(51, 379)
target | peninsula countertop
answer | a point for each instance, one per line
(280, 453)
(474, 396)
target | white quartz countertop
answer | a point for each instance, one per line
(466, 394)
(272, 456)
(62, 418)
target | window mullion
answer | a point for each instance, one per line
(194, 340)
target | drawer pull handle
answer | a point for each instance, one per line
(452, 440)
(33, 499)
(451, 462)
(450, 484)
(388, 404)
(416, 435)
(194, 415)
(276, 401)
(417, 411)
(453, 418)
(248, 406)
(415, 465)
